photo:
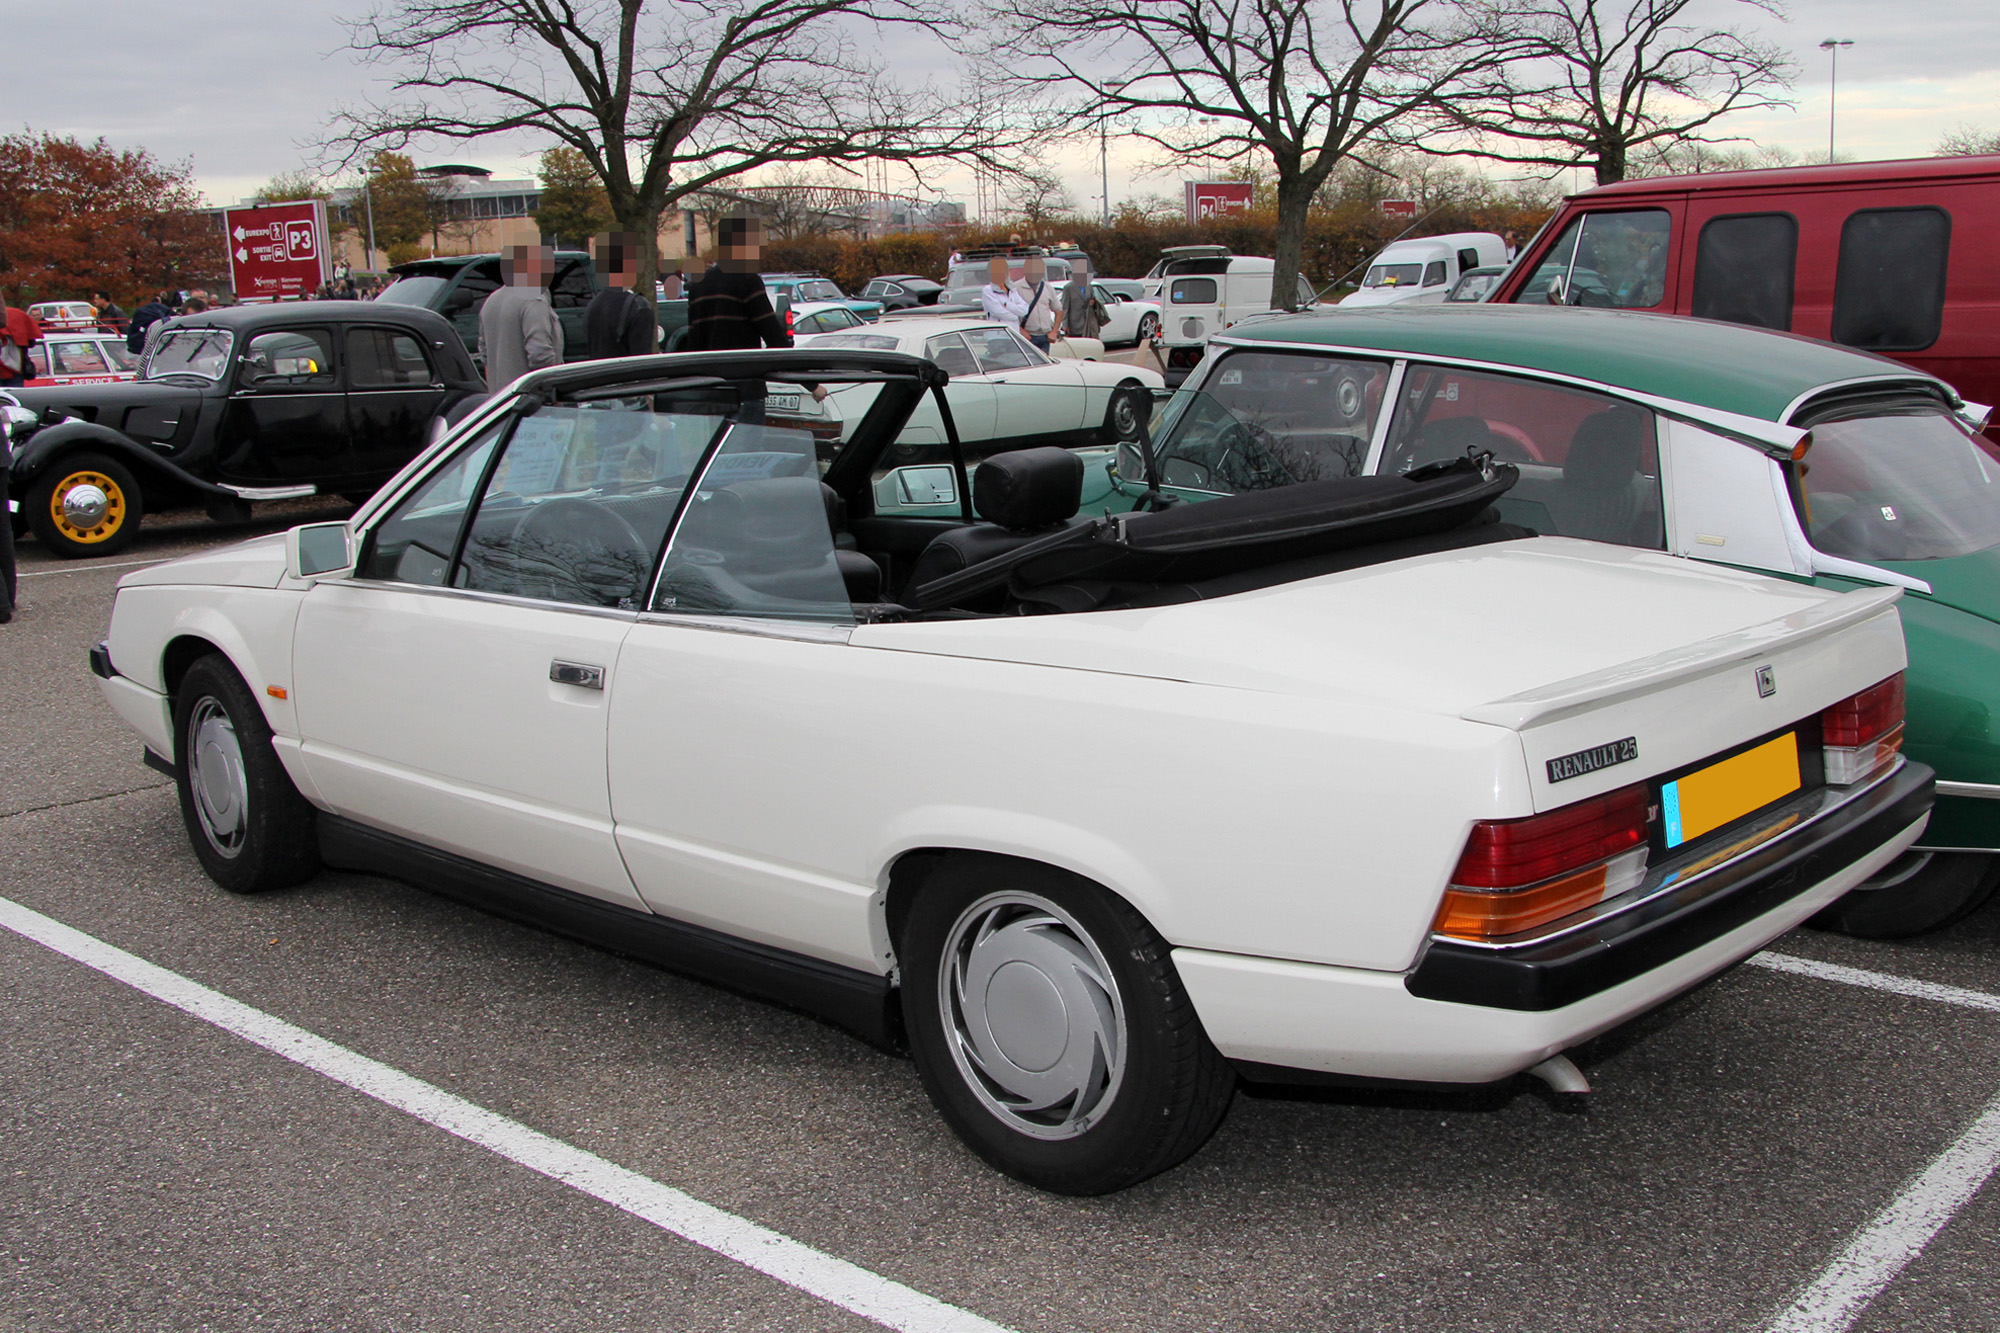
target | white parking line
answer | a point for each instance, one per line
(1883, 1248)
(835, 1281)
(1882, 981)
(85, 569)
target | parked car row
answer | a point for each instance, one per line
(1477, 678)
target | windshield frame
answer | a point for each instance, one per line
(147, 372)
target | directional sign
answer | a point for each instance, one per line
(1214, 199)
(277, 250)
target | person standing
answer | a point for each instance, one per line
(109, 317)
(7, 577)
(998, 298)
(729, 307)
(1080, 314)
(159, 308)
(18, 335)
(518, 328)
(1038, 320)
(618, 321)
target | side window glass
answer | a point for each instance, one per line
(571, 289)
(415, 543)
(78, 359)
(1589, 463)
(758, 537)
(1191, 291)
(1889, 293)
(581, 499)
(1434, 273)
(951, 354)
(1613, 260)
(1265, 420)
(288, 358)
(1467, 259)
(474, 286)
(385, 359)
(998, 349)
(1743, 269)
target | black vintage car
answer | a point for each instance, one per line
(268, 402)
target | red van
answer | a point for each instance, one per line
(1900, 258)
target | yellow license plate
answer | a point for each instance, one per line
(1707, 799)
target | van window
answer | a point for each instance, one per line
(1467, 259)
(1434, 273)
(1616, 260)
(1192, 291)
(1743, 269)
(1889, 293)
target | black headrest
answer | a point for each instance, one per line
(1604, 452)
(1029, 488)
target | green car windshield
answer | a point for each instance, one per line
(1915, 486)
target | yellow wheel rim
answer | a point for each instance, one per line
(107, 526)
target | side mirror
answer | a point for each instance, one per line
(317, 551)
(925, 484)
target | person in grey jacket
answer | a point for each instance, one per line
(518, 329)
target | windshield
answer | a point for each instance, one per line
(1270, 419)
(203, 352)
(416, 289)
(1906, 487)
(1393, 275)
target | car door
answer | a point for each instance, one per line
(1037, 400)
(285, 420)
(455, 690)
(725, 750)
(394, 392)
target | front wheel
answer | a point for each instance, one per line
(1129, 408)
(1051, 1029)
(251, 829)
(86, 505)
(1915, 893)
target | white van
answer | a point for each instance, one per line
(1424, 268)
(1203, 294)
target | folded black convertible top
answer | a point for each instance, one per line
(1193, 543)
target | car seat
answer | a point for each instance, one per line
(1603, 496)
(1024, 494)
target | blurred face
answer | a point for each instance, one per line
(996, 271)
(1037, 271)
(743, 253)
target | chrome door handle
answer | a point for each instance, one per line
(578, 674)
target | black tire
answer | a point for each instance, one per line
(269, 834)
(1149, 327)
(1916, 893)
(61, 533)
(1162, 1093)
(1129, 406)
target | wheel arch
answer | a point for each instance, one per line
(48, 447)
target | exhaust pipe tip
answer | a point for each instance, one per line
(1561, 1075)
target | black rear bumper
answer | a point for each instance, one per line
(1550, 974)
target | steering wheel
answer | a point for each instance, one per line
(572, 550)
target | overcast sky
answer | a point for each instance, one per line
(240, 89)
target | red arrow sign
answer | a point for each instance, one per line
(277, 250)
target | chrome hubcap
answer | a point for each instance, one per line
(85, 504)
(1037, 1025)
(215, 773)
(1125, 417)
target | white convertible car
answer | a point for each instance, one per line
(1345, 779)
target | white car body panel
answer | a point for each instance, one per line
(1424, 251)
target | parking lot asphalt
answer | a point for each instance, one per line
(162, 1174)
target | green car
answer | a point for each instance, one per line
(1699, 440)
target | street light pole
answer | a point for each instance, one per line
(1104, 164)
(1832, 47)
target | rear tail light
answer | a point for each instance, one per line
(790, 324)
(1517, 874)
(1863, 732)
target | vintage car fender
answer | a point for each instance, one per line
(48, 446)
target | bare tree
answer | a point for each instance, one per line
(663, 100)
(1596, 84)
(1037, 198)
(1969, 141)
(1297, 84)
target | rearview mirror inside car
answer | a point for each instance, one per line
(318, 551)
(927, 484)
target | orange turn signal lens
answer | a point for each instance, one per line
(276, 691)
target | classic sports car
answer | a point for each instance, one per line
(1713, 442)
(1127, 321)
(268, 402)
(1385, 788)
(1004, 393)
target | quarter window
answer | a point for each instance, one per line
(1889, 293)
(1589, 463)
(951, 354)
(289, 358)
(1744, 267)
(384, 359)
(1616, 260)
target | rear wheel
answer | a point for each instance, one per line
(1149, 328)
(86, 505)
(1051, 1029)
(251, 829)
(1915, 893)
(1129, 408)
